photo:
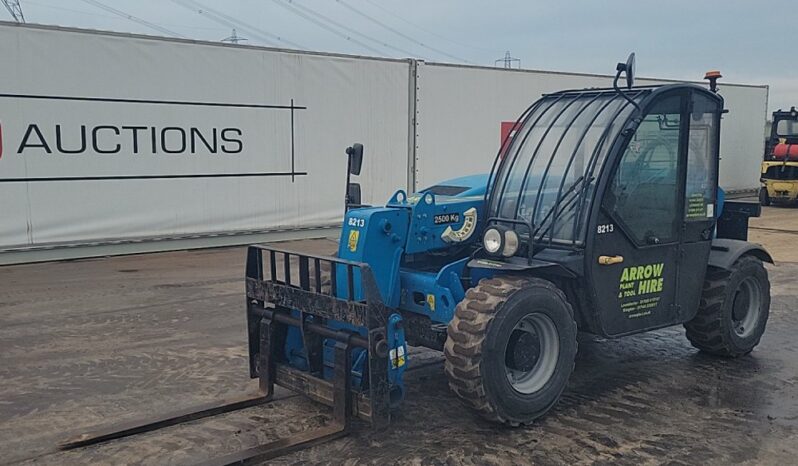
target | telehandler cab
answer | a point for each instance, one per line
(601, 214)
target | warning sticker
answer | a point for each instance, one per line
(354, 235)
(397, 357)
(697, 206)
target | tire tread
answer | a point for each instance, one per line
(706, 330)
(467, 332)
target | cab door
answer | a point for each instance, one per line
(700, 199)
(633, 262)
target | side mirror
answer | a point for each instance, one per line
(627, 68)
(355, 154)
(353, 195)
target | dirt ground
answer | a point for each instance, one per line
(98, 341)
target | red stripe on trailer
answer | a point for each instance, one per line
(508, 129)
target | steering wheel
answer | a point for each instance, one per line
(642, 160)
(645, 157)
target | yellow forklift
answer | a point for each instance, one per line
(780, 167)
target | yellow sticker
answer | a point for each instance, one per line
(397, 357)
(354, 235)
(431, 302)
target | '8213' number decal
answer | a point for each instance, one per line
(607, 228)
(357, 222)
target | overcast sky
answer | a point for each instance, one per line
(749, 41)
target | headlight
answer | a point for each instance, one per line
(510, 243)
(492, 240)
(499, 240)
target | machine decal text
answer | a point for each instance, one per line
(357, 222)
(639, 289)
(446, 218)
(608, 228)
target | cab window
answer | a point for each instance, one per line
(700, 189)
(643, 193)
(781, 172)
(787, 128)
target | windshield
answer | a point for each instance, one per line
(549, 174)
(787, 128)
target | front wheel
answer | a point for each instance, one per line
(764, 199)
(510, 348)
(734, 309)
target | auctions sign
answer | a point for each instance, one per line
(129, 139)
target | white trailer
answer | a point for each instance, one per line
(128, 142)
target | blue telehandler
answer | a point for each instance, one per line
(601, 214)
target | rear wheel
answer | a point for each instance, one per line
(734, 309)
(510, 348)
(764, 199)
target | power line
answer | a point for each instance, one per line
(15, 9)
(399, 33)
(222, 18)
(100, 15)
(428, 31)
(130, 17)
(215, 17)
(320, 20)
(347, 28)
(71, 10)
(328, 28)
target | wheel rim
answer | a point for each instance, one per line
(531, 353)
(747, 307)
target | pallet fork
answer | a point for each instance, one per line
(296, 297)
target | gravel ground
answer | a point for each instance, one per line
(99, 341)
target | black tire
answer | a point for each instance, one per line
(728, 301)
(764, 199)
(485, 323)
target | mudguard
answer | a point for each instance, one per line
(725, 252)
